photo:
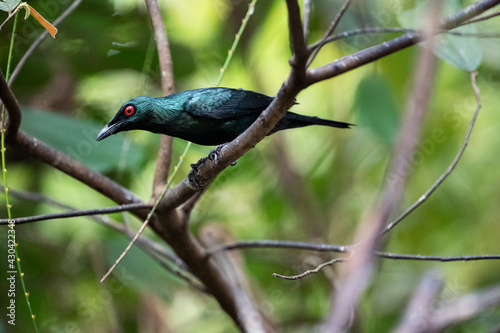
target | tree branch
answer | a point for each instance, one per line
(76, 213)
(42, 152)
(373, 53)
(40, 40)
(277, 244)
(13, 109)
(358, 271)
(297, 42)
(156, 251)
(206, 170)
(167, 83)
(481, 18)
(328, 32)
(310, 271)
(169, 222)
(379, 30)
(450, 168)
(172, 226)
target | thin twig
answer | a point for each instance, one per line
(207, 171)
(42, 152)
(173, 264)
(379, 30)
(37, 197)
(418, 257)
(373, 53)
(11, 14)
(311, 271)
(360, 31)
(98, 211)
(481, 18)
(394, 256)
(137, 235)
(450, 168)
(277, 244)
(160, 184)
(190, 204)
(328, 32)
(156, 251)
(179, 272)
(40, 39)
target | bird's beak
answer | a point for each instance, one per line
(108, 130)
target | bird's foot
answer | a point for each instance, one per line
(193, 181)
(214, 155)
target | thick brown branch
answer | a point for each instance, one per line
(42, 152)
(207, 171)
(172, 225)
(13, 109)
(297, 42)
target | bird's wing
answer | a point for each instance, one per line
(225, 103)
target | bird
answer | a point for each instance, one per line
(207, 116)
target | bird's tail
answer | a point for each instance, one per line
(294, 120)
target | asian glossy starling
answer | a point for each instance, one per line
(207, 116)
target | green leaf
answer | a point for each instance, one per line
(76, 138)
(9, 5)
(377, 111)
(459, 51)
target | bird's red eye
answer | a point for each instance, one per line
(129, 110)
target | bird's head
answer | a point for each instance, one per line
(132, 115)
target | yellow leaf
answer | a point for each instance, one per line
(46, 24)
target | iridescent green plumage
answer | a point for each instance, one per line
(208, 116)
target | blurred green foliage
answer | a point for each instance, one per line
(100, 59)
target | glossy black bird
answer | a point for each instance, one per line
(207, 116)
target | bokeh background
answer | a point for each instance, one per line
(311, 184)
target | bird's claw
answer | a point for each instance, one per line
(214, 155)
(193, 182)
